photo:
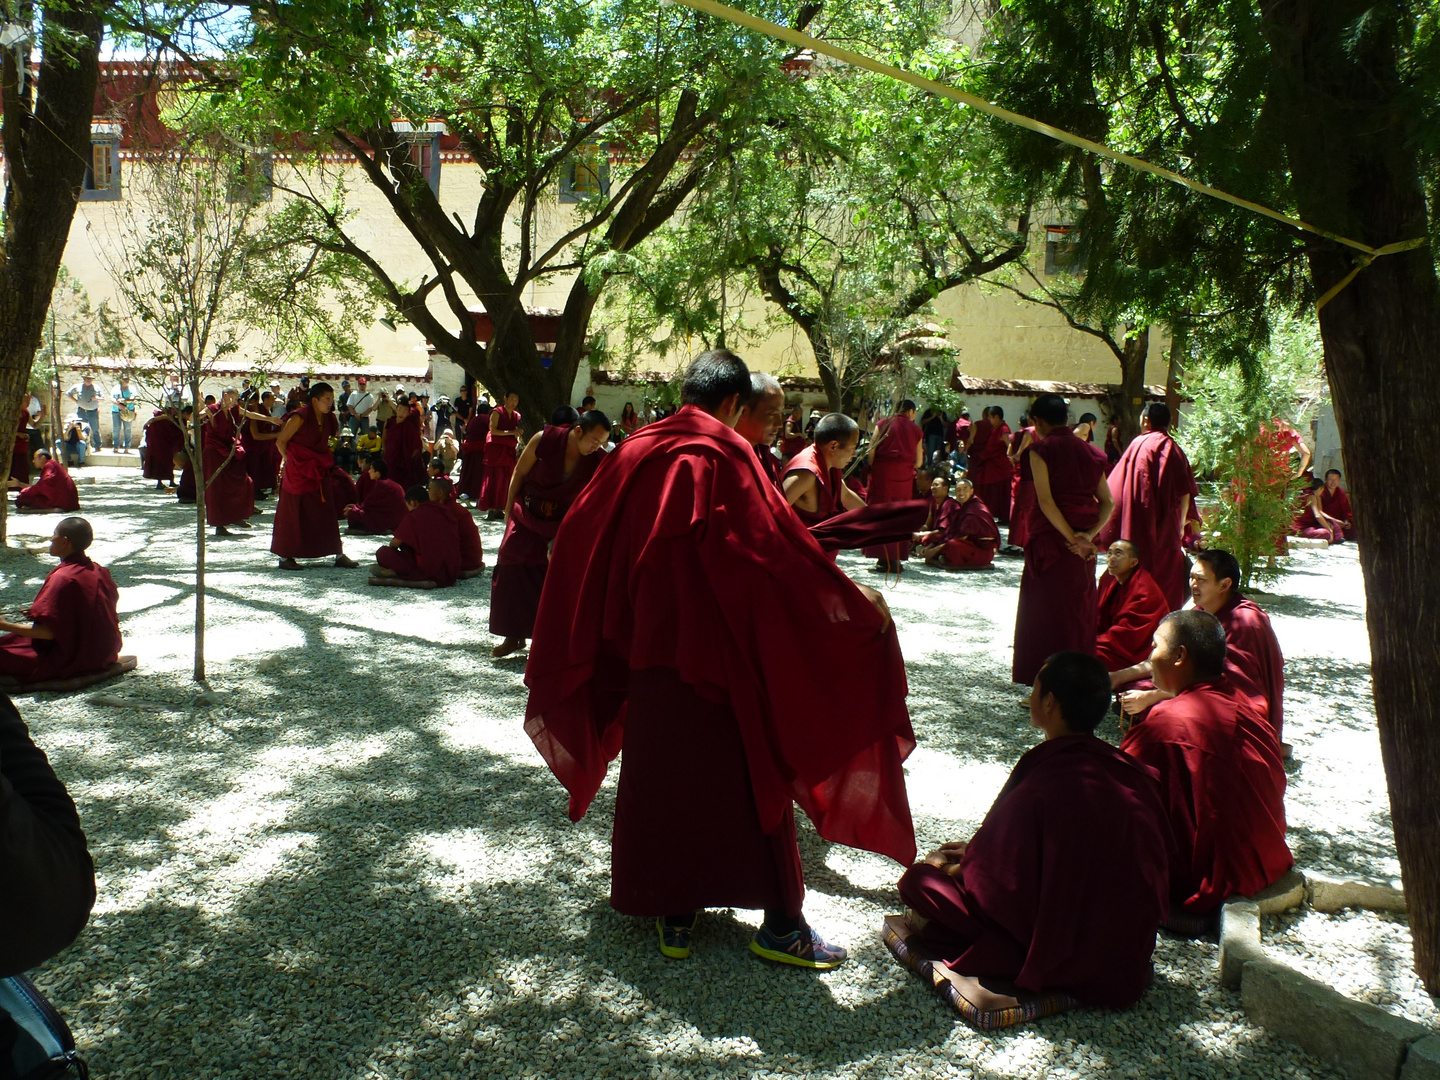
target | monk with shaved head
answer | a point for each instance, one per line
(761, 415)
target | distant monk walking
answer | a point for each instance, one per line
(1154, 492)
(896, 453)
(163, 440)
(307, 519)
(500, 456)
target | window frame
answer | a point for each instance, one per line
(106, 136)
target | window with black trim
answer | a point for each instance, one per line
(424, 142)
(585, 173)
(102, 170)
(1062, 250)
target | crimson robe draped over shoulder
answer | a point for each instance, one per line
(163, 440)
(892, 475)
(432, 536)
(500, 458)
(1056, 610)
(403, 446)
(472, 456)
(989, 469)
(827, 485)
(1337, 504)
(54, 490)
(1149, 484)
(681, 555)
(262, 457)
(21, 453)
(1066, 882)
(1126, 617)
(1224, 782)
(937, 524)
(1254, 664)
(382, 509)
(771, 465)
(472, 552)
(307, 518)
(76, 604)
(229, 493)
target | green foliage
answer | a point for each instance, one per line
(75, 327)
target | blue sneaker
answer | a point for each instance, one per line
(802, 947)
(674, 940)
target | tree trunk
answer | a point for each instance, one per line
(1350, 144)
(825, 363)
(45, 157)
(1126, 400)
(197, 463)
(1179, 341)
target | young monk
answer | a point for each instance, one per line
(942, 509)
(383, 506)
(426, 546)
(1056, 611)
(1022, 488)
(989, 467)
(814, 483)
(307, 518)
(760, 420)
(500, 457)
(970, 538)
(550, 475)
(403, 445)
(678, 585)
(1314, 523)
(896, 452)
(73, 629)
(472, 552)
(472, 454)
(1065, 883)
(164, 438)
(229, 492)
(1219, 766)
(1130, 607)
(262, 459)
(1336, 504)
(1154, 491)
(54, 490)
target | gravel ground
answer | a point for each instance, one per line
(346, 860)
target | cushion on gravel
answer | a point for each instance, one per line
(402, 583)
(79, 682)
(466, 575)
(985, 1006)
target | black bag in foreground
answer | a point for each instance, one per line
(35, 1043)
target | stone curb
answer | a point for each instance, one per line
(1423, 1061)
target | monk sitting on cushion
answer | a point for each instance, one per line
(1314, 523)
(1219, 766)
(814, 481)
(1130, 608)
(1067, 880)
(74, 629)
(53, 491)
(942, 511)
(1336, 504)
(970, 537)
(426, 546)
(383, 505)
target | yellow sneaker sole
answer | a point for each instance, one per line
(789, 958)
(669, 950)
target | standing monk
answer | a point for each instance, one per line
(229, 493)
(1154, 492)
(164, 438)
(262, 459)
(814, 479)
(1131, 606)
(896, 452)
(761, 416)
(1056, 612)
(1023, 490)
(677, 590)
(793, 440)
(550, 475)
(989, 467)
(500, 457)
(307, 519)
(54, 490)
(403, 445)
(472, 456)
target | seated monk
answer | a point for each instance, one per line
(1336, 504)
(942, 509)
(53, 491)
(426, 546)
(383, 505)
(74, 629)
(1130, 608)
(814, 483)
(970, 537)
(472, 552)
(1219, 766)
(1314, 523)
(1064, 885)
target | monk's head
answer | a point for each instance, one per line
(512, 401)
(1048, 412)
(1214, 578)
(377, 467)
(1086, 427)
(1155, 417)
(717, 381)
(907, 408)
(416, 494)
(39, 458)
(436, 466)
(1121, 559)
(1332, 479)
(439, 489)
(591, 433)
(321, 396)
(72, 536)
(229, 397)
(564, 416)
(268, 400)
(996, 415)
(837, 436)
(763, 411)
(964, 491)
(1071, 695)
(1189, 647)
(940, 488)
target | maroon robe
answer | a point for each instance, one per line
(1253, 663)
(342, 487)
(937, 524)
(472, 456)
(77, 605)
(1224, 782)
(21, 454)
(678, 585)
(500, 458)
(431, 550)
(382, 509)
(544, 498)
(229, 494)
(472, 551)
(54, 490)
(972, 537)
(1066, 882)
(307, 522)
(1149, 484)
(262, 457)
(402, 453)
(1337, 505)
(892, 475)
(990, 469)
(771, 465)
(185, 489)
(827, 486)
(1310, 526)
(1126, 617)
(1022, 491)
(1056, 611)
(163, 440)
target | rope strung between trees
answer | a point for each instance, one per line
(1367, 254)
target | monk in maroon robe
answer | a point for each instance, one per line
(793, 440)
(1314, 523)
(500, 456)
(1130, 607)
(761, 418)
(989, 468)
(74, 629)
(814, 483)
(1336, 504)
(472, 549)
(1067, 880)
(968, 539)
(185, 487)
(164, 438)
(403, 445)
(1220, 767)
(54, 490)
(383, 505)
(550, 475)
(943, 508)
(472, 455)
(897, 451)
(1154, 492)
(262, 459)
(307, 518)
(20, 454)
(1056, 612)
(229, 492)
(1023, 489)
(678, 586)
(426, 545)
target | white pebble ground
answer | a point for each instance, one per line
(347, 861)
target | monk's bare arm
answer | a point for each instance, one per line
(261, 436)
(848, 499)
(799, 485)
(1129, 674)
(38, 631)
(286, 434)
(1024, 444)
(920, 453)
(521, 471)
